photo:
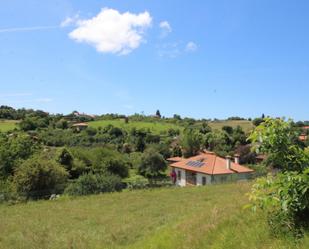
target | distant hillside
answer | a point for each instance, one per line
(160, 126)
(173, 218)
(155, 127)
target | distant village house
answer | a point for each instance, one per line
(79, 126)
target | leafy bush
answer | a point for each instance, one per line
(137, 182)
(117, 167)
(94, 184)
(65, 158)
(38, 177)
(276, 138)
(7, 193)
(14, 149)
(285, 198)
(152, 165)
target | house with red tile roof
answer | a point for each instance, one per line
(208, 168)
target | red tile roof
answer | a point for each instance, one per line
(213, 165)
(302, 138)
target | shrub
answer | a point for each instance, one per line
(275, 137)
(152, 165)
(6, 192)
(117, 167)
(65, 158)
(94, 184)
(38, 177)
(285, 198)
(137, 182)
(14, 149)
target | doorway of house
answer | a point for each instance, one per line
(190, 178)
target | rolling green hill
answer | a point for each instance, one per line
(155, 127)
(172, 218)
(7, 125)
(159, 126)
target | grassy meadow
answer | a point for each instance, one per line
(171, 218)
(7, 125)
(158, 127)
(155, 127)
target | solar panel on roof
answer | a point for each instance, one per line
(195, 164)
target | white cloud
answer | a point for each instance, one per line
(170, 50)
(165, 28)
(191, 47)
(175, 49)
(113, 32)
(69, 21)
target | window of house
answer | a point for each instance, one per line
(204, 180)
(179, 175)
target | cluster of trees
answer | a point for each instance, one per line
(7, 112)
(32, 171)
(226, 141)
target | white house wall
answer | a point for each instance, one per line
(199, 179)
(182, 181)
(210, 179)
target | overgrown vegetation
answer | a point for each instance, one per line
(48, 155)
(284, 195)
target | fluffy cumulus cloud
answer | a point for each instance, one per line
(191, 47)
(111, 31)
(165, 28)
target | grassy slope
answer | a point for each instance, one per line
(204, 217)
(155, 127)
(7, 125)
(158, 127)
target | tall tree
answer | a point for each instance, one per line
(277, 138)
(191, 143)
(152, 165)
(158, 114)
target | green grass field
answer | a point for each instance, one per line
(174, 218)
(155, 127)
(7, 125)
(159, 127)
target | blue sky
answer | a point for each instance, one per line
(203, 59)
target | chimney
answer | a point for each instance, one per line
(236, 158)
(228, 162)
